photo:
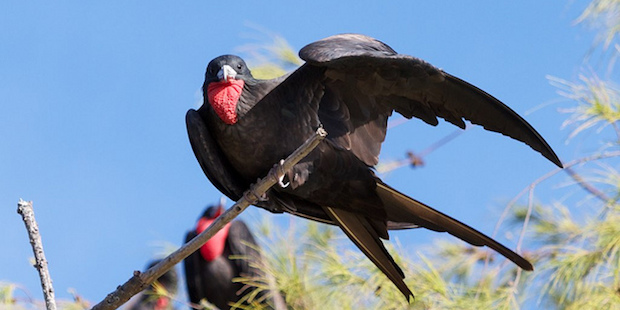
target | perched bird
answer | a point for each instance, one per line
(158, 295)
(350, 85)
(229, 254)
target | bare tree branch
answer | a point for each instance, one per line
(139, 281)
(24, 208)
(417, 159)
(547, 176)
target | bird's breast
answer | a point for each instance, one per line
(260, 139)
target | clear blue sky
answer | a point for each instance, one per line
(93, 97)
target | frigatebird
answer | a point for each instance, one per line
(158, 295)
(214, 272)
(350, 85)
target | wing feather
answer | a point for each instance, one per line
(370, 80)
(214, 164)
(193, 272)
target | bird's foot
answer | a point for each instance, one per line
(251, 195)
(280, 174)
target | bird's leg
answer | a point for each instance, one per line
(280, 174)
(250, 194)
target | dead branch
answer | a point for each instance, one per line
(414, 159)
(24, 208)
(548, 175)
(139, 280)
(530, 189)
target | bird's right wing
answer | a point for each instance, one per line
(215, 166)
(193, 271)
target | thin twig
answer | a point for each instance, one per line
(140, 280)
(587, 186)
(547, 176)
(528, 215)
(24, 208)
(416, 159)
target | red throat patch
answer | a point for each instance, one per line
(215, 246)
(161, 303)
(223, 97)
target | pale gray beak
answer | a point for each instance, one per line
(226, 73)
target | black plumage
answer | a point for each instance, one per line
(350, 85)
(214, 274)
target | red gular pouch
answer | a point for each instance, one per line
(223, 97)
(162, 303)
(215, 246)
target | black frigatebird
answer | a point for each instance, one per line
(213, 272)
(350, 85)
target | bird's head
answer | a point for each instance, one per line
(227, 68)
(212, 212)
(215, 246)
(224, 80)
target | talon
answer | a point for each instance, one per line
(281, 175)
(281, 182)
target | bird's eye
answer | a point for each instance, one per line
(239, 66)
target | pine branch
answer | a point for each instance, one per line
(24, 208)
(139, 280)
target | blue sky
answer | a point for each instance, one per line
(93, 97)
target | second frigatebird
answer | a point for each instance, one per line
(212, 273)
(350, 85)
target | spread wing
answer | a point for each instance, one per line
(366, 80)
(214, 164)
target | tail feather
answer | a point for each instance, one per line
(401, 208)
(363, 234)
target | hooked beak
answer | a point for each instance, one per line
(226, 73)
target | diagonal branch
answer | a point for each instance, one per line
(549, 175)
(587, 186)
(417, 159)
(530, 189)
(139, 281)
(24, 208)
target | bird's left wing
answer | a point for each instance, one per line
(365, 80)
(214, 164)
